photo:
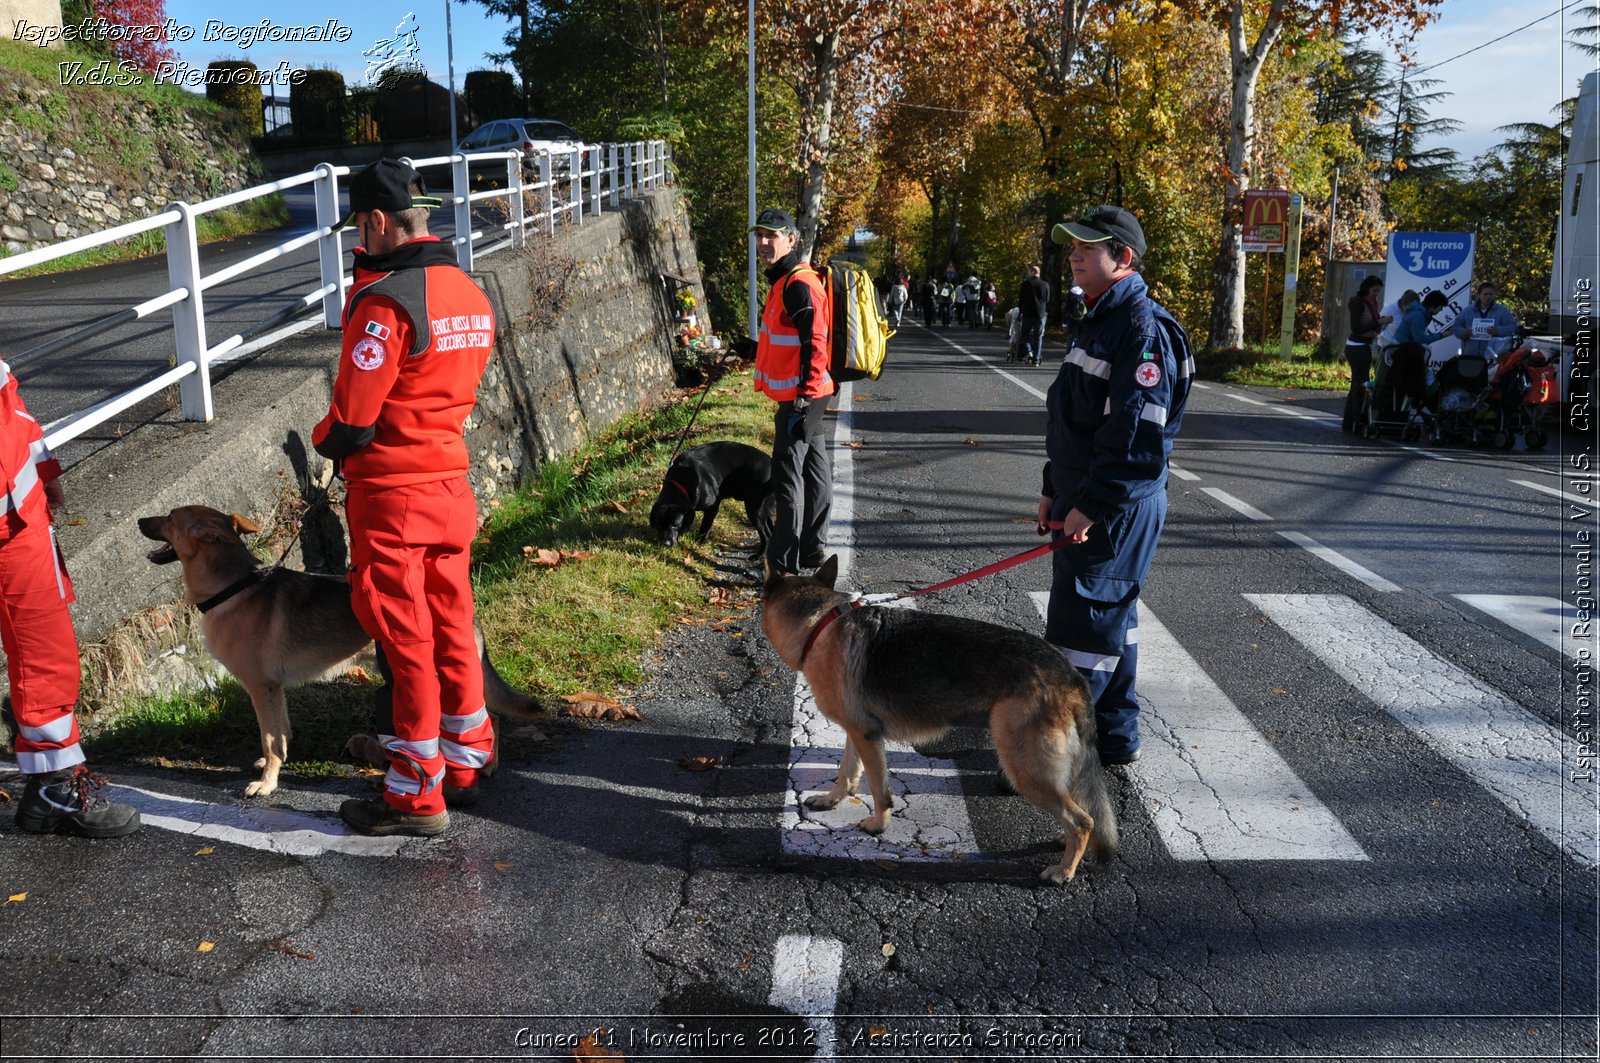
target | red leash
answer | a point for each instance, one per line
(883, 599)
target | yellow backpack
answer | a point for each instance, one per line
(860, 331)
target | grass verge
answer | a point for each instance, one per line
(583, 624)
(1264, 368)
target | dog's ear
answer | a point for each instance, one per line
(829, 572)
(244, 525)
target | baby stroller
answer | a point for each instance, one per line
(1396, 400)
(1460, 394)
(1525, 389)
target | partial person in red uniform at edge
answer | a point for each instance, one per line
(417, 335)
(41, 647)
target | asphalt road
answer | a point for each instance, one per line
(1354, 833)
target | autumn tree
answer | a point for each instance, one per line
(1253, 29)
(137, 48)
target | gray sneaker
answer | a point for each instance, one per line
(69, 801)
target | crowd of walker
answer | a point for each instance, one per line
(417, 333)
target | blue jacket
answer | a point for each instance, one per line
(1505, 327)
(1414, 327)
(1117, 403)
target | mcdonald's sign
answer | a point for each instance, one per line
(1266, 220)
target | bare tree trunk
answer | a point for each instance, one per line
(658, 41)
(1227, 305)
(819, 134)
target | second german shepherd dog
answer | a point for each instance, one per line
(280, 630)
(884, 673)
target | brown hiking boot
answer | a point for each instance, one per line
(377, 817)
(69, 802)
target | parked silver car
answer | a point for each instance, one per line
(528, 134)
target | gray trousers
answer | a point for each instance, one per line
(802, 488)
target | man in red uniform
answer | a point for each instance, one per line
(417, 334)
(792, 355)
(41, 648)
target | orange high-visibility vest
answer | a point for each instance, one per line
(778, 369)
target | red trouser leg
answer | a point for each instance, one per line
(41, 649)
(409, 552)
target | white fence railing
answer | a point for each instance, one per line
(566, 188)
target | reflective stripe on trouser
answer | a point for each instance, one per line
(41, 649)
(802, 490)
(1094, 612)
(409, 556)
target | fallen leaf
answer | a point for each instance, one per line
(206, 946)
(591, 1048)
(855, 444)
(720, 596)
(888, 949)
(863, 398)
(616, 507)
(541, 556)
(5, 798)
(207, 851)
(75, 523)
(699, 763)
(599, 707)
(359, 674)
(17, 898)
(371, 773)
(577, 555)
(285, 948)
(503, 865)
(1279, 690)
(969, 441)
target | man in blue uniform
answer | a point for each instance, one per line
(1113, 411)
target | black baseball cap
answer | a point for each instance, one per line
(773, 220)
(1102, 223)
(386, 185)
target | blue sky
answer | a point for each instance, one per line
(1516, 79)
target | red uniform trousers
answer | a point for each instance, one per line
(36, 632)
(410, 549)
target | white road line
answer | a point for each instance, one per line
(1235, 504)
(1501, 745)
(1340, 562)
(1234, 395)
(1024, 385)
(1550, 620)
(1577, 500)
(841, 518)
(930, 822)
(805, 982)
(1214, 788)
(276, 830)
(1182, 474)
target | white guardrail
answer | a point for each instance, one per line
(568, 187)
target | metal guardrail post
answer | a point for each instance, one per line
(461, 187)
(548, 185)
(628, 165)
(575, 184)
(592, 162)
(519, 219)
(613, 153)
(189, 316)
(330, 257)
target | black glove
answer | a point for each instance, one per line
(744, 347)
(797, 420)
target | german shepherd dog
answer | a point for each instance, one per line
(702, 478)
(280, 630)
(884, 673)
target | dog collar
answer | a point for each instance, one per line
(681, 489)
(237, 587)
(822, 625)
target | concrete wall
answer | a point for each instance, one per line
(564, 369)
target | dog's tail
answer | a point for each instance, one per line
(1089, 789)
(500, 696)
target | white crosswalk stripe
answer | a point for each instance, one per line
(1502, 746)
(1550, 620)
(1213, 786)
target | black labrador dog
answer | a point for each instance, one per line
(702, 478)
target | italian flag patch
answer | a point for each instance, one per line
(375, 329)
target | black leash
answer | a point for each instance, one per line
(710, 380)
